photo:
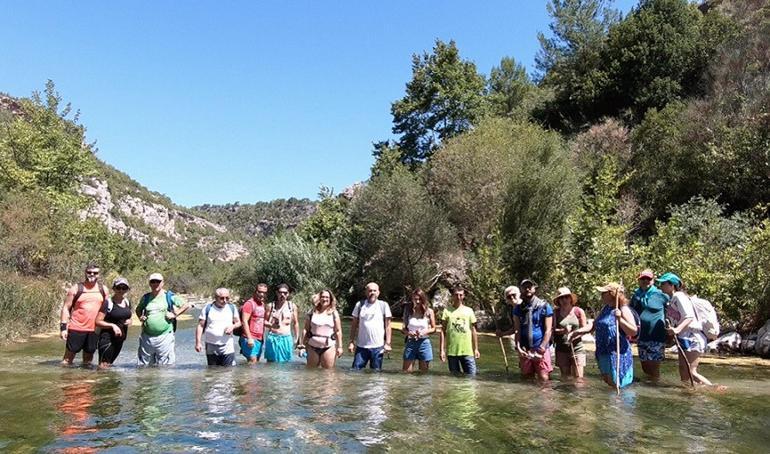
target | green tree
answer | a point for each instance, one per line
(404, 238)
(508, 88)
(445, 97)
(43, 149)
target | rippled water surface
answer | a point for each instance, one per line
(190, 408)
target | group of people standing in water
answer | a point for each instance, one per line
(93, 319)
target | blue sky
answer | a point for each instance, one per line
(218, 102)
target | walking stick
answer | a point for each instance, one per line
(617, 342)
(681, 352)
(502, 347)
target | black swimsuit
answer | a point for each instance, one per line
(110, 344)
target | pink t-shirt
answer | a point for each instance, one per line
(257, 321)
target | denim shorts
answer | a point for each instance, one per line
(420, 349)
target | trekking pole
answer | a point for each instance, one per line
(681, 352)
(574, 356)
(617, 341)
(502, 347)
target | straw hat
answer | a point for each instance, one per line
(564, 291)
(613, 288)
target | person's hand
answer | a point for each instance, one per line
(116, 330)
(129, 321)
(672, 330)
(617, 313)
(572, 335)
(339, 352)
(477, 353)
(523, 353)
(198, 347)
(142, 318)
(250, 342)
(170, 315)
(63, 335)
(443, 357)
(387, 347)
(229, 330)
(352, 347)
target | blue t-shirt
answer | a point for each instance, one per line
(540, 311)
(650, 305)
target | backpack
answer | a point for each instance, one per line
(239, 331)
(81, 289)
(707, 316)
(207, 309)
(169, 304)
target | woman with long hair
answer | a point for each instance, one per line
(323, 332)
(419, 324)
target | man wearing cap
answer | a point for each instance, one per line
(532, 324)
(78, 316)
(114, 318)
(650, 303)
(158, 310)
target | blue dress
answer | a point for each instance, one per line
(605, 348)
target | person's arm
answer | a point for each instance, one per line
(295, 324)
(101, 323)
(246, 327)
(306, 331)
(626, 321)
(517, 335)
(404, 324)
(236, 323)
(353, 334)
(475, 338)
(65, 311)
(338, 333)
(199, 335)
(546, 334)
(431, 323)
(387, 335)
(442, 341)
(180, 306)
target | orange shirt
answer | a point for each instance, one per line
(84, 310)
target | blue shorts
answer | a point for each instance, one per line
(418, 350)
(250, 352)
(278, 347)
(467, 363)
(373, 356)
(651, 351)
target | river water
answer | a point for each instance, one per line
(189, 408)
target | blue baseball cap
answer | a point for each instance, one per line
(671, 278)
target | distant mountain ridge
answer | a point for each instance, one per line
(261, 218)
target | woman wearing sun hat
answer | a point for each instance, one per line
(650, 303)
(683, 324)
(570, 352)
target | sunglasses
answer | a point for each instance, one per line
(92, 273)
(121, 287)
(511, 296)
(224, 298)
(155, 281)
(283, 293)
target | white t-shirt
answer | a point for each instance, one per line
(680, 308)
(371, 323)
(219, 319)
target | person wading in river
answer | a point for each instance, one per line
(253, 319)
(78, 316)
(419, 324)
(370, 330)
(323, 332)
(650, 303)
(570, 352)
(685, 326)
(114, 318)
(458, 339)
(157, 342)
(532, 325)
(282, 320)
(217, 322)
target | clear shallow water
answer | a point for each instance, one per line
(191, 408)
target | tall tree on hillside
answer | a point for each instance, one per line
(509, 86)
(445, 97)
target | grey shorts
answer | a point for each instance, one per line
(156, 350)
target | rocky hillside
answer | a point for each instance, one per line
(151, 219)
(259, 219)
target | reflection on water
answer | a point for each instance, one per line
(192, 408)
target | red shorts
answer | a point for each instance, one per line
(531, 366)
